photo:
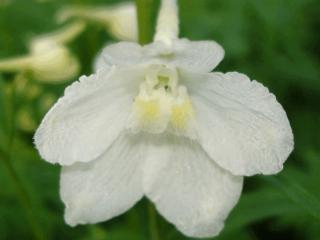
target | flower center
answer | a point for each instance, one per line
(162, 104)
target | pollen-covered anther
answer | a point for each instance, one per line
(161, 103)
(181, 112)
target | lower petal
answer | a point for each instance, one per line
(187, 188)
(104, 188)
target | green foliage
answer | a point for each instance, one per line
(274, 41)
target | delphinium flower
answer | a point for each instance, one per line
(155, 121)
(119, 20)
(48, 56)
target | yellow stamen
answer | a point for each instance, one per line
(148, 111)
(181, 114)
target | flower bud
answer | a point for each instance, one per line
(119, 20)
(52, 62)
(49, 60)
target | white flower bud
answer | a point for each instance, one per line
(119, 20)
(52, 62)
(49, 59)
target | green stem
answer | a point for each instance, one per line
(15, 64)
(145, 13)
(153, 226)
(20, 189)
(24, 199)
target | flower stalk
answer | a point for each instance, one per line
(15, 64)
(145, 20)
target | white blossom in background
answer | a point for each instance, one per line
(119, 20)
(49, 59)
(155, 121)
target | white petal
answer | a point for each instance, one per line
(87, 119)
(188, 188)
(123, 53)
(104, 188)
(198, 56)
(99, 63)
(240, 123)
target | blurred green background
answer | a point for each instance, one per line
(276, 42)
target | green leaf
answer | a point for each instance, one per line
(299, 195)
(256, 206)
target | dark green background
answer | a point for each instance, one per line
(276, 42)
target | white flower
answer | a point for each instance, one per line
(120, 20)
(48, 56)
(155, 122)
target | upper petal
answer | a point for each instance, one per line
(123, 53)
(198, 56)
(104, 188)
(189, 189)
(240, 123)
(90, 115)
(99, 63)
